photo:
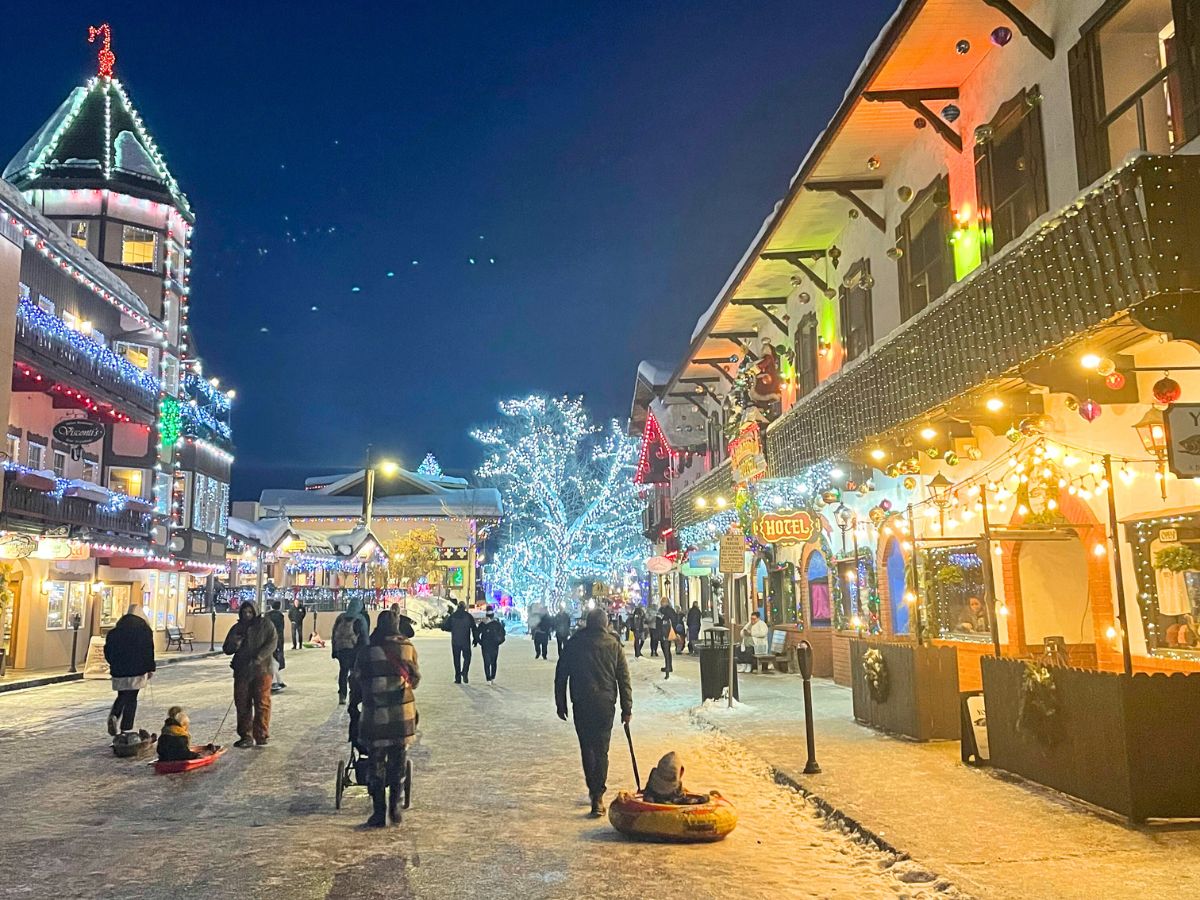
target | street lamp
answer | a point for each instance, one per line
(1152, 430)
(388, 468)
(939, 492)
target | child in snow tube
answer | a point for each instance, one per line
(665, 784)
(175, 743)
(665, 811)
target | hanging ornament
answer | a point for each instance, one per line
(1072, 403)
(904, 192)
(835, 255)
(864, 488)
(932, 452)
(1115, 381)
(832, 495)
(1166, 391)
(876, 515)
(909, 482)
(1034, 97)
(1001, 35)
(1106, 367)
(950, 112)
(950, 458)
(885, 504)
(804, 297)
(892, 471)
(852, 485)
(963, 47)
(873, 163)
(1013, 434)
(852, 213)
(919, 123)
(974, 454)
(1031, 426)
(1089, 410)
(894, 253)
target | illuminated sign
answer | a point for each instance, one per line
(746, 460)
(784, 528)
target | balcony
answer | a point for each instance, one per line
(1122, 250)
(47, 343)
(47, 509)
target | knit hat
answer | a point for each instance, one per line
(666, 779)
(174, 714)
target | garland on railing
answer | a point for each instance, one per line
(56, 329)
(196, 387)
(115, 502)
(195, 417)
(1037, 710)
(875, 671)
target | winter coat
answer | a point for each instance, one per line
(667, 619)
(251, 642)
(593, 666)
(562, 624)
(637, 621)
(758, 634)
(491, 633)
(385, 674)
(349, 624)
(544, 626)
(129, 647)
(175, 743)
(462, 628)
(693, 623)
(276, 619)
(296, 614)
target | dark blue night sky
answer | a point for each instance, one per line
(614, 159)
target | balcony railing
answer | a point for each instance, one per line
(48, 338)
(1122, 248)
(29, 503)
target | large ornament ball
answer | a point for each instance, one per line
(832, 495)
(864, 489)
(950, 112)
(1072, 404)
(974, 454)
(885, 504)
(963, 47)
(1001, 35)
(1106, 367)
(892, 471)
(1115, 381)
(895, 253)
(932, 452)
(873, 163)
(1013, 434)
(852, 485)
(1166, 391)
(876, 515)
(919, 123)
(950, 458)
(1089, 410)
(910, 483)
(905, 193)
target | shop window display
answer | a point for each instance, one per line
(819, 594)
(1166, 557)
(953, 582)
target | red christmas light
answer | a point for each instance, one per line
(652, 440)
(105, 57)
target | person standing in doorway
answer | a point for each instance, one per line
(278, 663)
(491, 635)
(693, 627)
(349, 636)
(562, 629)
(296, 616)
(129, 650)
(637, 624)
(251, 642)
(594, 671)
(462, 628)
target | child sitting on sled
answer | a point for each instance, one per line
(175, 743)
(665, 784)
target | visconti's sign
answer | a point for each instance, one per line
(784, 528)
(746, 460)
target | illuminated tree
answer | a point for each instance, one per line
(571, 510)
(412, 556)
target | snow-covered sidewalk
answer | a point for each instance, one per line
(991, 835)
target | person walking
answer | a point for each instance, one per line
(296, 616)
(594, 671)
(668, 631)
(489, 638)
(385, 677)
(129, 650)
(348, 637)
(278, 664)
(637, 624)
(463, 631)
(541, 636)
(251, 642)
(562, 629)
(693, 627)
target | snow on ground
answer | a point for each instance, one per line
(499, 807)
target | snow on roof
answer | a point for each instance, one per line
(655, 373)
(465, 503)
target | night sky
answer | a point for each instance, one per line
(613, 159)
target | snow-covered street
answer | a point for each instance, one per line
(499, 801)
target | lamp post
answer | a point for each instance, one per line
(388, 468)
(1152, 430)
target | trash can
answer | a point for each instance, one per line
(714, 664)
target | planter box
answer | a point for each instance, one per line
(1121, 742)
(922, 700)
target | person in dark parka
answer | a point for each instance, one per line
(491, 635)
(296, 616)
(463, 631)
(562, 629)
(129, 650)
(275, 617)
(251, 642)
(594, 671)
(668, 621)
(693, 627)
(349, 635)
(541, 636)
(637, 624)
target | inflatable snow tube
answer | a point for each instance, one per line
(706, 821)
(174, 766)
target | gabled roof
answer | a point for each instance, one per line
(471, 503)
(96, 139)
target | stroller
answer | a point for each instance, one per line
(355, 770)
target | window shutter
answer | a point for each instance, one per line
(1091, 150)
(1187, 56)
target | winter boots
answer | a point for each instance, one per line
(378, 816)
(597, 811)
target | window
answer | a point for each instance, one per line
(210, 502)
(1010, 172)
(170, 375)
(926, 264)
(70, 320)
(138, 354)
(182, 498)
(77, 230)
(64, 601)
(139, 248)
(806, 355)
(857, 330)
(127, 481)
(12, 447)
(99, 337)
(162, 493)
(91, 471)
(45, 304)
(1135, 82)
(60, 464)
(953, 582)
(114, 601)
(36, 457)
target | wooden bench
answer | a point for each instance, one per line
(177, 638)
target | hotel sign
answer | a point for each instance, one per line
(784, 528)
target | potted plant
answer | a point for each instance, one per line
(1173, 563)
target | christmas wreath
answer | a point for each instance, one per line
(876, 672)
(1037, 711)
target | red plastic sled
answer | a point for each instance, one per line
(174, 766)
